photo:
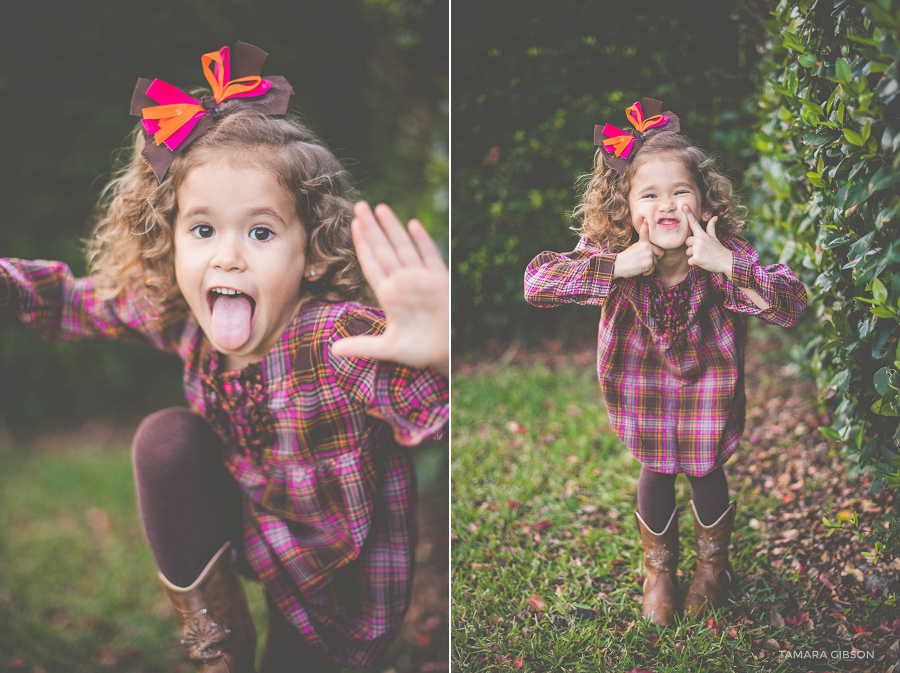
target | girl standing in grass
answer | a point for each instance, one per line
(227, 240)
(675, 292)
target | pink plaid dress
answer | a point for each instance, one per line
(671, 362)
(315, 442)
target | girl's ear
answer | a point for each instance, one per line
(312, 273)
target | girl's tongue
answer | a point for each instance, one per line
(231, 321)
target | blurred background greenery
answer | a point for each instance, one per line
(531, 79)
(370, 78)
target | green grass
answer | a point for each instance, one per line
(543, 497)
(78, 586)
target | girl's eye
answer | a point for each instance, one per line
(203, 230)
(260, 233)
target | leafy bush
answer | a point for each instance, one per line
(827, 189)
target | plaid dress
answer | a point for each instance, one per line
(315, 442)
(671, 362)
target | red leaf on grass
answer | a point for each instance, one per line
(518, 662)
(541, 525)
(536, 602)
(732, 632)
(512, 504)
(786, 499)
(860, 628)
(827, 582)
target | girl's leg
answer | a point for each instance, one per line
(713, 522)
(189, 503)
(656, 498)
(657, 522)
(287, 651)
(710, 495)
(191, 511)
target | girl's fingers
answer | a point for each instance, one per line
(692, 221)
(644, 233)
(428, 250)
(657, 251)
(372, 347)
(370, 232)
(405, 251)
(369, 264)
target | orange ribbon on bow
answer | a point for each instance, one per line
(635, 115)
(621, 142)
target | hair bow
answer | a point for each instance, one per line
(647, 119)
(173, 120)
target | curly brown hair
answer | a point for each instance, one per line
(132, 246)
(603, 213)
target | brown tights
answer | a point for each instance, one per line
(190, 506)
(656, 497)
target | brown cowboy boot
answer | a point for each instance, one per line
(660, 564)
(714, 575)
(216, 627)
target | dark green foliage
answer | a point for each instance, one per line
(827, 189)
(369, 76)
(531, 81)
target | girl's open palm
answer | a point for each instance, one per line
(411, 282)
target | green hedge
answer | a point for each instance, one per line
(827, 191)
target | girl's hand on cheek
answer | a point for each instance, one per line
(704, 249)
(411, 282)
(639, 257)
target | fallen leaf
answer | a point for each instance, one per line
(536, 602)
(776, 620)
(518, 662)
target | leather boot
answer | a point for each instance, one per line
(714, 575)
(216, 627)
(660, 564)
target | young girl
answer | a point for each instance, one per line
(675, 293)
(227, 240)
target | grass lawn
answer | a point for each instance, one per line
(78, 586)
(546, 569)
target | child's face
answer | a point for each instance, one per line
(659, 189)
(237, 229)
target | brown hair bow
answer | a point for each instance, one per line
(172, 119)
(648, 120)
